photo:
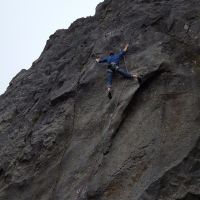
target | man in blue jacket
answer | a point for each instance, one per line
(113, 66)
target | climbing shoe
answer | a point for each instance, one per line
(109, 95)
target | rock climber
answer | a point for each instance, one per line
(113, 66)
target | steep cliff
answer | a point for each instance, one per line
(61, 138)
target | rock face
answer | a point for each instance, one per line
(61, 138)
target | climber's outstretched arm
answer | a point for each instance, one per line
(122, 53)
(101, 60)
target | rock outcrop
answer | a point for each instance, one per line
(61, 138)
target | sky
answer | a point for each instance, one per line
(26, 26)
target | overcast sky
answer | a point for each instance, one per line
(27, 24)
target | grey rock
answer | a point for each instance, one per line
(61, 137)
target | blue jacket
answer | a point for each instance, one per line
(113, 58)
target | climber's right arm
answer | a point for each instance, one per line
(123, 53)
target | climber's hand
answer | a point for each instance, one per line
(97, 59)
(126, 47)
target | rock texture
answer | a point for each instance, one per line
(61, 138)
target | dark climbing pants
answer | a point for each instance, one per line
(120, 71)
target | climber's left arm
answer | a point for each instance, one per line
(98, 60)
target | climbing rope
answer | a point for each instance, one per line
(122, 89)
(109, 124)
(118, 97)
(125, 64)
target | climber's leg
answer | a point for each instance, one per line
(124, 73)
(128, 75)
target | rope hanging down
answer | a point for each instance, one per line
(120, 93)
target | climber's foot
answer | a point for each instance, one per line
(109, 93)
(134, 76)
